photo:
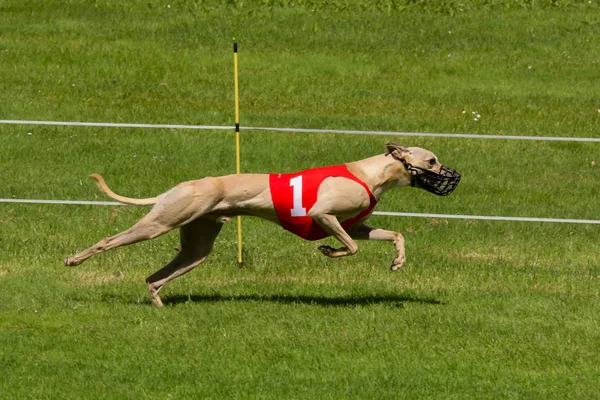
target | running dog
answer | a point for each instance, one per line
(313, 204)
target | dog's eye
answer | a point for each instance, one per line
(432, 161)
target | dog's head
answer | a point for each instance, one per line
(425, 170)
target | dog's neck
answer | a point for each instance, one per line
(380, 173)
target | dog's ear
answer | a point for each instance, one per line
(398, 151)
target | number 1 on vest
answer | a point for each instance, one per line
(296, 184)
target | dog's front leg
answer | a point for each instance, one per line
(332, 226)
(365, 232)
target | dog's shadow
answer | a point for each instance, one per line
(321, 301)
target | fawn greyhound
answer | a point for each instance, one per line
(313, 204)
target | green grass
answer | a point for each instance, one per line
(482, 309)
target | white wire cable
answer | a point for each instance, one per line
(304, 130)
(383, 213)
(112, 124)
(488, 217)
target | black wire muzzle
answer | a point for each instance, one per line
(442, 183)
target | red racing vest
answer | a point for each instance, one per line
(294, 195)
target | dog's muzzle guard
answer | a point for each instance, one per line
(442, 183)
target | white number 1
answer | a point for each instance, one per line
(296, 184)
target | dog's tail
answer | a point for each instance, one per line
(127, 200)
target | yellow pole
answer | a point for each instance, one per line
(237, 147)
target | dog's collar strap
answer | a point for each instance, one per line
(441, 184)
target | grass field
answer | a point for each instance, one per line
(482, 309)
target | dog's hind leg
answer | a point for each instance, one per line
(144, 229)
(177, 208)
(197, 239)
(365, 232)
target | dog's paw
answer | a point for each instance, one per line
(69, 262)
(397, 264)
(153, 292)
(327, 250)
